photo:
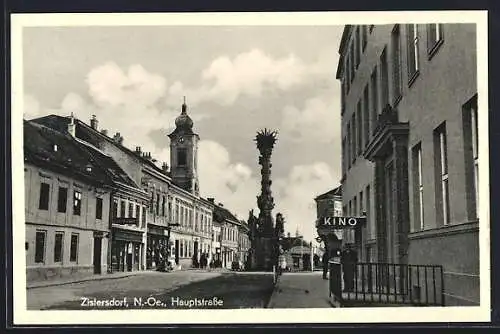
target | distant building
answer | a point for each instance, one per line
(67, 201)
(409, 147)
(229, 231)
(329, 204)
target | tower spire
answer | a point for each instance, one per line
(184, 107)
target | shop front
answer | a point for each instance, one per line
(157, 238)
(126, 250)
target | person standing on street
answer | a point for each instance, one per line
(325, 264)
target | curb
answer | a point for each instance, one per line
(79, 281)
(276, 288)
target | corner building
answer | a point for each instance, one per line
(409, 148)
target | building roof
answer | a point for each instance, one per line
(331, 193)
(88, 134)
(222, 214)
(59, 152)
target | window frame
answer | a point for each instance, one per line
(43, 248)
(413, 49)
(435, 38)
(44, 201)
(73, 257)
(99, 208)
(77, 202)
(61, 247)
(62, 207)
(397, 79)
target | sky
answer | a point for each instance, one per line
(236, 79)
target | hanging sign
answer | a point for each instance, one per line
(340, 222)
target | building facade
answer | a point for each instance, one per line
(329, 204)
(409, 147)
(229, 234)
(67, 207)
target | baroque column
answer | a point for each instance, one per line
(265, 140)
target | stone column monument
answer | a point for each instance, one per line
(266, 245)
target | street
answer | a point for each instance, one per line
(180, 289)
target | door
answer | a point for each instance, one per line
(177, 252)
(97, 254)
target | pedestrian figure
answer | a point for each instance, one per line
(282, 264)
(325, 265)
(349, 259)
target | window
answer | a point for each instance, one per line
(177, 214)
(182, 156)
(163, 205)
(62, 199)
(418, 188)
(352, 61)
(384, 77)
(77, 202)
(43, 203)
(369, 222)
(115, 207)
(40, 246)
(357, 47)
(471, 144)
(434, 38)
(98, 208)
(73, 253)
(347, 72)
(342, 96)
(122, 208)
(360, 126)
(343, 157)
(144, 216)
(440, 145)
(169, 209)
(157, 204)
(374, 90)
(412, 52)
(396, 64)
(366, 115)
(349, 145)
(364, 36)
(58, 247)
(354, 131)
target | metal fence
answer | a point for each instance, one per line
(388, 283)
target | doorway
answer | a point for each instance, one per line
(177, 252)
(97, 254)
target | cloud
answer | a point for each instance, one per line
(297, 192)
(318, 120)
(31, 107)
(230, 183)
(249, 73)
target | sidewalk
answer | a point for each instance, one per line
(300, 290)
(69, 280)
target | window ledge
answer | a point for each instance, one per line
(470, 226)
(413, 78)
(434, 49)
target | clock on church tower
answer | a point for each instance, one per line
(184, 153)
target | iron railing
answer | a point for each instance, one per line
(388, 283)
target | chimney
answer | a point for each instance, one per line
(288, 234)
(72, 126)
(211, 199)
(221, 205)
(93, 122)
(164, 167)
(138, 150)
(118, 138)
(104, 132)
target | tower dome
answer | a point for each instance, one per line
(183, 121)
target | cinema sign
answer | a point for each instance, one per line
(340, 222)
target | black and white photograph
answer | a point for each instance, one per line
(250, 167)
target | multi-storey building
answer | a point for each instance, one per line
(409, 147)
(67, 204)
(229, 232)
(172, 205)
(243, 241)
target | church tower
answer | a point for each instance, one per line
(184, 153)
